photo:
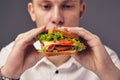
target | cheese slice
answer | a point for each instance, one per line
(47, 43)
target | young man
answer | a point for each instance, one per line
(20, 59)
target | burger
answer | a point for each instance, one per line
(60, 42)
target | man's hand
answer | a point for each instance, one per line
(23, 54)
(95, 58)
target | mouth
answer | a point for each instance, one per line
(49, 25)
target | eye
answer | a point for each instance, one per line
(67, 6)
(46, 6)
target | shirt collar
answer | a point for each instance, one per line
(71, 62)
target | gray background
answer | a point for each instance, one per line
(102, 18)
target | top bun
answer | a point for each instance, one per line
(64, 32)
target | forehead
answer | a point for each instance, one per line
(56, 0)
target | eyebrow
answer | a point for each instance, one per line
(70, 1)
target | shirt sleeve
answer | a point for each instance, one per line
(113, 56)
(5, 51)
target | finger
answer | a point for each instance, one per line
(32, 33)
(36, 31)
(74, 29)
(29, 37)
(91, 39)
(83, 33)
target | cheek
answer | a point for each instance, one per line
(72, 19)
(42, 18)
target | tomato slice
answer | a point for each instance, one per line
(62, 48)
(64, 42)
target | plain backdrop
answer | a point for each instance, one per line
(102, 17)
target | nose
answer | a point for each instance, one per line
(57, 17)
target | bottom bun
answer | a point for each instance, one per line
(60, 53)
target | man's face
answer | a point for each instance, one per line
(56, 12)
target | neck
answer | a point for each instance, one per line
(58, 60)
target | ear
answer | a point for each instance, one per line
(82, 9)
(31, 11)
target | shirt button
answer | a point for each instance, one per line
(56, 72)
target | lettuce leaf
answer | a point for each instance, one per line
(50, 37)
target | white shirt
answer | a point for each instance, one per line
(45, 70)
